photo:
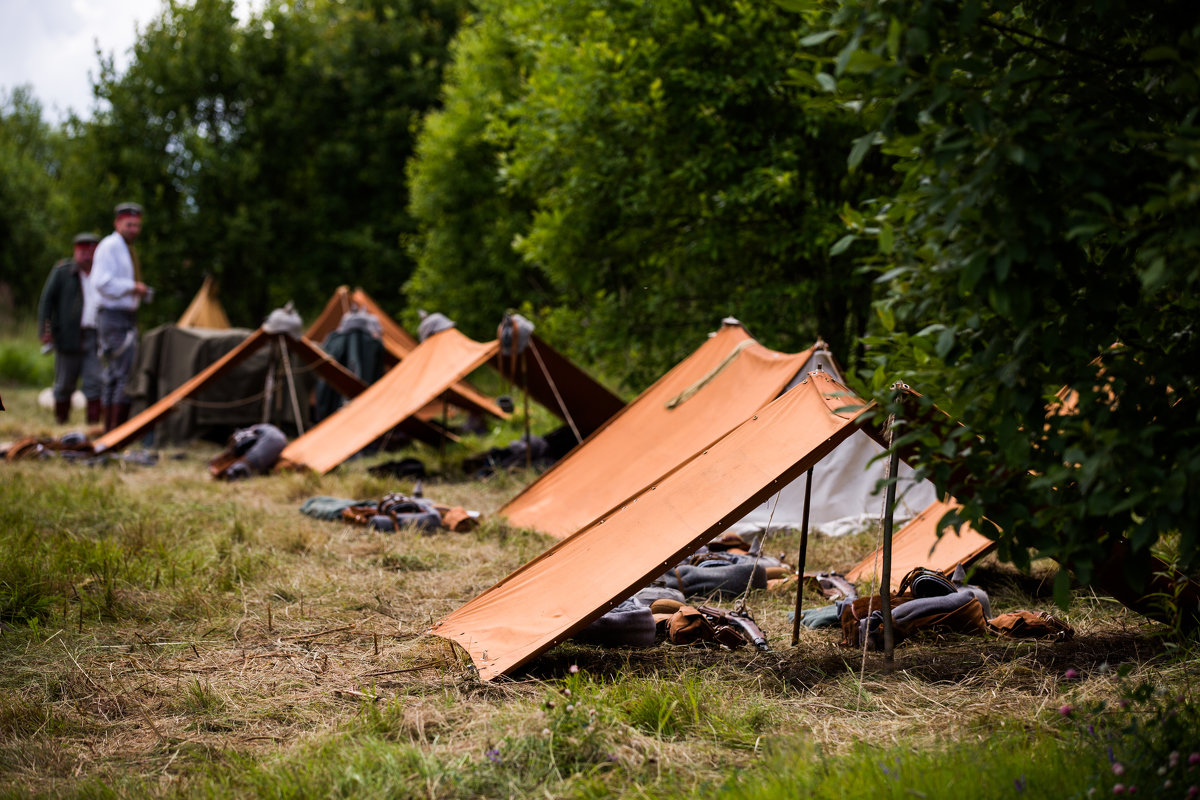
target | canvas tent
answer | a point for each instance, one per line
(844, 499)
(717, 387)
(207, 378)
(552, 379)
(427, 373)
(703, 397)
(917, 544)
(205, 310)
(575, 582)
(169, 356)
(398, 343)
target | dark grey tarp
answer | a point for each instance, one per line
(168, 356)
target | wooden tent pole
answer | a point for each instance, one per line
(445, 425)
(525, 384)
(802, 557)
(885, 584)
(269, 387)
(291, 382)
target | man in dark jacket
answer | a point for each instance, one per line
(67, 322)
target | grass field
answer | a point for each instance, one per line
(165, 635)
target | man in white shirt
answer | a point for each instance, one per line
(117, 279)
(67, 323)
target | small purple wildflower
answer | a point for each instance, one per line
(1112, 759)
(1071, 674)
(493, 755)
(1118, 768)
(1173, 759)
(573, 669)
(1118, 788)
(1193, 759)
(1123, 703)
(1019, 783)
(1065, 709)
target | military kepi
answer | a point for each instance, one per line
(127, 208)
(86, 238)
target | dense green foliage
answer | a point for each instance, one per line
(269, 153)
(632, 173)
(33, 233)
(1044, 236)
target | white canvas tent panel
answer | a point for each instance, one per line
(843, 499)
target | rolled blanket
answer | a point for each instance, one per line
(649, 594)
(629, 624)
(823, 617)
(960, 612)
(716, 578)
(329, 508)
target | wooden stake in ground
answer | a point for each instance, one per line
(800, 560)
(889, 509)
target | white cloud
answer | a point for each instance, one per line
(51, 45)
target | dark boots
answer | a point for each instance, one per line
(118, 413)
(62, 411)
(93, 411)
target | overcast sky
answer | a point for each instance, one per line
(51, 45)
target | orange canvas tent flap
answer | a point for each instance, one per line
(338, 376)
(424, 375)
(701, 399)
(583, 576)
(397, 342)
(557, 383)
(917, 544)
(205, 310)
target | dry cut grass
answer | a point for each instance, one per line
(195, 638)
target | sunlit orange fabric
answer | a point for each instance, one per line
(583, 576)
(205, 310)
(433, 367)
(917, 545)
(397, 342)
(646, 438)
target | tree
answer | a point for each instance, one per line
(1045, 235)
(656, 168)
(271, 153)
(467, 218)
(32, 237)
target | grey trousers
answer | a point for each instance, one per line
(69, 368)
(118, 348)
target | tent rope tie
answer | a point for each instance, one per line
(887, 476)
(219, 404)
(690, 391)
(554, 388)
